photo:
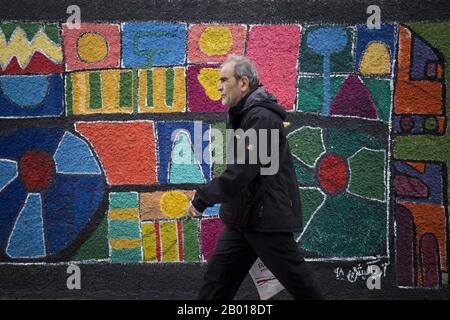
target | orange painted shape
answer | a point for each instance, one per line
(126, 150)
(414, 97)
(429, 218)
(150, 204)
(419, 166)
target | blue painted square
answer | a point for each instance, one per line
(25, 96)
(212, 211)
(147, 44)
(178, 139)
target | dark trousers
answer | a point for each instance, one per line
(236, 252)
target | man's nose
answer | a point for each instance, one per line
(219, 87)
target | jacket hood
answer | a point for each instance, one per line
(264, 99)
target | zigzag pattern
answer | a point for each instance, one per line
(23, 50)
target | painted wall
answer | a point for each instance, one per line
(95, 120)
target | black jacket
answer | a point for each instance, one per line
(279, 209)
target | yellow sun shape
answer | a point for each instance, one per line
(174, 204)
(92, 47)
(216, 41)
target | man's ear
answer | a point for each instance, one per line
(245, 83)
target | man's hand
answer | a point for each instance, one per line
(192, 212)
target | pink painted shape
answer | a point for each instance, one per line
(197, 98)
(196, 55)
(111, 33)
(210, 230)
(274, 50)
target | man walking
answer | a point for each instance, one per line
(260, 206)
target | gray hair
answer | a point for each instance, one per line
(244, 67)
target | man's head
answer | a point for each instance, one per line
(238, 76)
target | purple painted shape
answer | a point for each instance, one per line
(210, 230)
(432, 69)
(422, 55)
(404, 243)
(418, 124)
(429, 253)
(432, 178)
(197, 97)
(407, 186)
(353, 99)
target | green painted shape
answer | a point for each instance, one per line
(310, 93)
(184, 168)
(135, 90)
(367, 177)
(342, 61)
(126, 255)
(30, 29)
(219, 147)
(306, 144)
(52, 32)
(381, 94)
(126, 85)
(96, 246)
(123, 200)
(310, 200)
(124, 229)
(345, 142)
(429, 147)
(170, 76)
(431, 123)
(69, 98)
(149, 88)
(347, 226)
(190, 240)
(95, 91)
(306, 177)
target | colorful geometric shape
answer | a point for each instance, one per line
(346, 226)
(27, 237)
(376, 60)
(307, 145)
(333, 173)
(80, 162)
(203, 96)
(353, 99)
(190, 240)
(162, 89)
(148, 44)
(324, 39)
(164, 204)
(367, 174)
(210, 230)
(375, 49)
(184, 152)
(105, 91)
(124, 231)
(274, 50)
(412, 182)
(428, 219)
(326, 188)
(8, 172)
(92, 46)
(69, 201)
(413, 95)
(211, 43)
(30, 48)
(184, 168)
(125, 149)
(24, 96)
(310, 92)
